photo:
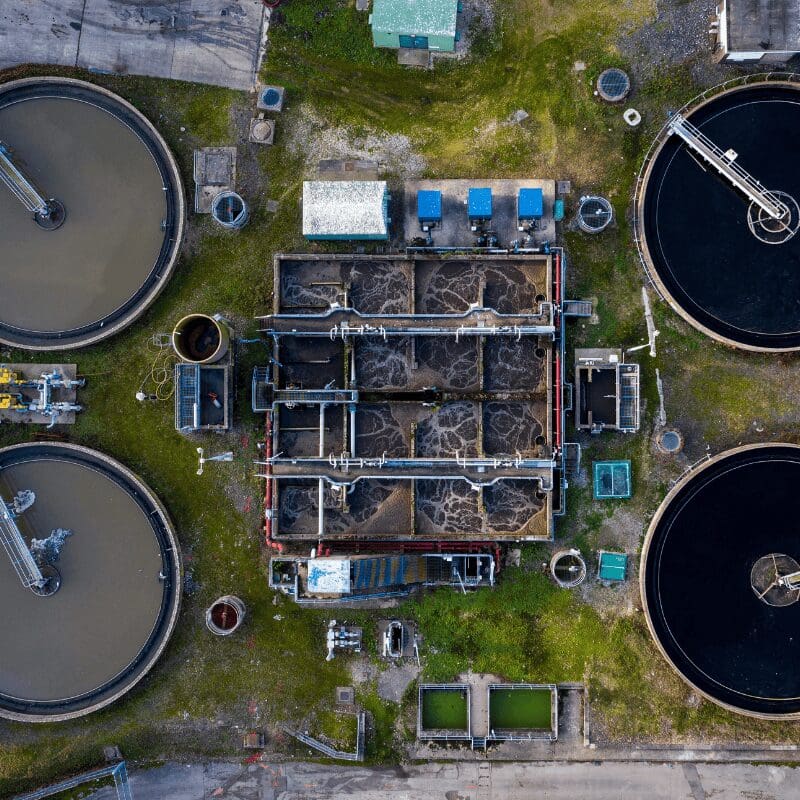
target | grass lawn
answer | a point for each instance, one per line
(526, 630)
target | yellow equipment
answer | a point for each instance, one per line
(7, 377)
(11, 402)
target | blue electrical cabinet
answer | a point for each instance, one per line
(479, 204)
(429, 206)
(530, 204)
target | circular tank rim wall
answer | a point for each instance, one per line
(651, 530)
(162, 270)
(639, 224)
(61, 711)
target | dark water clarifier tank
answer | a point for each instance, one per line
(712, 252)
(716, 579)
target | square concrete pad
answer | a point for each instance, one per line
(454, 230)
(204, 41)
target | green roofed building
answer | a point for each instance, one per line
(417, 24)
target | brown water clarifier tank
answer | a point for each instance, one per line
(85, 646)
(73, 284)
(201, 339)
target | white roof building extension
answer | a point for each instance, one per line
(345, 210)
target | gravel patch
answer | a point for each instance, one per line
(393, 682)
(309, 135)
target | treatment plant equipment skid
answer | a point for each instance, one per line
(353, 578)
(42, 405)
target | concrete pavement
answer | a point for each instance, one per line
(206, 41)
(466, 781)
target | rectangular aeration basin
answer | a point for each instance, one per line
(444, 711)
(523, 711)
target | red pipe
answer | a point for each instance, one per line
(268, 540)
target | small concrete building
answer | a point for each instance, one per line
(346, 210)
(415, 24)
(765, 31)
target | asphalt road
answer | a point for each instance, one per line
(467, 781)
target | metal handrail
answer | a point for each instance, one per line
(730, 169)
(17, 550)
(19, 185)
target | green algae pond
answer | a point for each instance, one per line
(523, 708)
(444, 709)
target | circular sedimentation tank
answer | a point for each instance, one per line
(84, 646)
(226, 615)
(669, 441)
(123, 214)
(200, 339)
(567, 568)
(715, 580)
(713, 254)
(229, 210)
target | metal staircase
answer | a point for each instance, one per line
(577, 308)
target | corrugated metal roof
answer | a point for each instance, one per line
(420, 17)
(344, 208)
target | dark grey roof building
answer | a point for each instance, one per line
(758, 30)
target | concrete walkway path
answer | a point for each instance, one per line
(466, 781)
